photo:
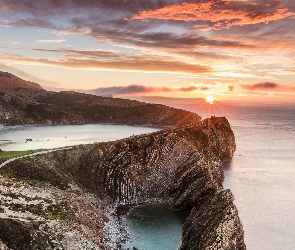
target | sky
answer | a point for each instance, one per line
(229, 49)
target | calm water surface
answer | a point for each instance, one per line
(262, 172)
(154, 227)
(15, 138)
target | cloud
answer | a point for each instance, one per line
(231, 88)
(166, 41)
(223, 13)
(261, 86)
(125, 90)
(113, 60)
(188, 89)
(140, 89)
(102, 21)
(50, 41)
(270, 87)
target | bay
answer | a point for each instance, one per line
(19, 138)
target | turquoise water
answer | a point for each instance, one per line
(154, 227)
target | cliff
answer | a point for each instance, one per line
(180, 166)
(23, 102)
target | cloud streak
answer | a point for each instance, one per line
(50, 41)
(140, 89)
(261, 86)
(101, 59)
(269, 87)
(125, 90)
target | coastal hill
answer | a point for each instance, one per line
(23, 102)
(13, 83)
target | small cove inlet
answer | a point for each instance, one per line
(154, 226)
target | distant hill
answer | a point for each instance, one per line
(24, 102)
(11, 82)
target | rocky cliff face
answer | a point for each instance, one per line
(181, 166)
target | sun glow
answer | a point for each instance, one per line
(210, 99)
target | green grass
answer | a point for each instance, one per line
(12, 154)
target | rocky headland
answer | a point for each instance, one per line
(69, 198)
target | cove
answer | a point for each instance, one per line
(154, 227)
(18, 138)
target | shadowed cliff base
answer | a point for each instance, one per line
(180, 166)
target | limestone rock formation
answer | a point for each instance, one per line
(181, 166)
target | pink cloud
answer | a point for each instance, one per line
(269, 87)
(261, 86)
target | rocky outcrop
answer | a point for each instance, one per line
(181, 166)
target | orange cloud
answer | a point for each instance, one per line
(188, 89)
(223, 14)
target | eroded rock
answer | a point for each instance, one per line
(181, 166)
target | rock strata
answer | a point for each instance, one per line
(181, 166)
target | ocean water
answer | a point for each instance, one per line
(262, 172)
(47, 137)
(262, 175)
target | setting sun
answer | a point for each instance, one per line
(210, 99)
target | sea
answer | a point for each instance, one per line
(261, 174)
